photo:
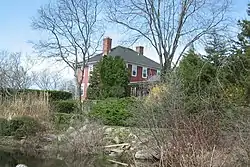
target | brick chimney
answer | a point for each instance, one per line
(139, 49)
(107, 44)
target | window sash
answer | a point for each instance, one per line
(134, 71)
(144, 72)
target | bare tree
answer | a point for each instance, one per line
(73, 33)
(47, 80)
(13, 73)
(67, 85)
(170, 26)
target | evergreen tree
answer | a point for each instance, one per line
(110, 78)
(216, 50)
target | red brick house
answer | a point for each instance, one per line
(142, 68)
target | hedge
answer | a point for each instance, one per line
(24, 126)
(113, 111)
(54, 95)
(19, 127)
(64, 106)
(4, 127)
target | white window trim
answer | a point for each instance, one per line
(135, 66)
(143, 68)
(82, 89)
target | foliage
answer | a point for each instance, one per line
(110, 78)
(61, 120)
(24, 126)
(4, 127)
(54, 95)
(65, 106)
(113, 111)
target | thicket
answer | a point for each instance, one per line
(201, 114)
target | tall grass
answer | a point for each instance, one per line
(33, 104)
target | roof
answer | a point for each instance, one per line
(130, 56)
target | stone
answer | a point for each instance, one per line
(84, 128)
(116, 140)
(70, 130)
(146, 155)
(61, 137)
(74, 134)
(49, 138)
(108, 130)
(21, 165)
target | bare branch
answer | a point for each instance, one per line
(169, 25)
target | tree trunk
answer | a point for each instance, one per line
(77, 87)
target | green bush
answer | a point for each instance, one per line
(114, 112)
(64, 106)
(24, 126)
(62, 120)
(4, 127)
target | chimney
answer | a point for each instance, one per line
(139, 49)
(107, 43)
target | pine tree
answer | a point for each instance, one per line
(215, 50)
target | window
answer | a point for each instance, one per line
(144, 72)
(134, 70)
(158, 72)
(90, 69)
(82, 89)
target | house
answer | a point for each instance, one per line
(142, 68)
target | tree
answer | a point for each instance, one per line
(67, 85)
(169, 25)
(72, 31)
(14, 71)
(47, 80)
(110, 78)
(216, 50)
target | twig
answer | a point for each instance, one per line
(119, 163)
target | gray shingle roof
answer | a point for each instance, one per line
(130, 56)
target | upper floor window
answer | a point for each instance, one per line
(144, 72)
(134, 71)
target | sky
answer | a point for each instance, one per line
(16, 31)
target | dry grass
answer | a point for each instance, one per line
(32, 104)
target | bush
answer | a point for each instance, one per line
(4, 127)
(24, 126)
(65, 106)
(54, 95)
(61, 120)
(114, 112)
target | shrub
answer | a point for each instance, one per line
(4, 127)
(59, 95)
(54, 95)
(113, 112)
(61, 120)
(24, 126)
(65, 106)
